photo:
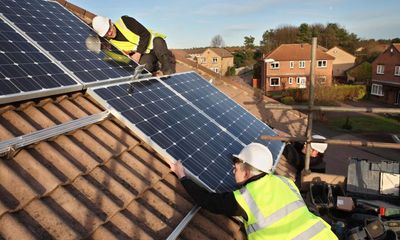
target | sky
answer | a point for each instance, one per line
(193, 23)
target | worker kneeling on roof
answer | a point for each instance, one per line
(140, 44)
(271, 206)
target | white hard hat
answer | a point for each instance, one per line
(93, 43)
(101, 25)
(258, 156)
(319, 147)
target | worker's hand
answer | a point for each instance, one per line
(177, 168)
(136, 57)
(281, 133)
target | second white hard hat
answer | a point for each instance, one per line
(257, 156)
(93, 43)
(101, 25)
(319, 147)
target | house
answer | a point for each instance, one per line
(343, 61)
(359, 73)
(218, 60)
(288, 66)
(385, 84)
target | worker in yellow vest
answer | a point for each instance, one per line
(270, 206)
(141, 44)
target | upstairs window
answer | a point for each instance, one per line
(275, 65)
(291, 64)
(397, 70)
(380, 69)
(322, 63)
(214, 60)
(377, 90)
(302, 64)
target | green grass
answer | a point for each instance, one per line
(366, 124)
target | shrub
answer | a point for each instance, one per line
(324, 94)
(289, 100)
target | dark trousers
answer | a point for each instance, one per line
(159, 53)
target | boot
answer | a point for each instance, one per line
(167, 65)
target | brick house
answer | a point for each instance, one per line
(291, 67)
(385, 84)
(216, 59)
(343, 61)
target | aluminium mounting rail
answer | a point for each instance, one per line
(185, 221)
(31, 138)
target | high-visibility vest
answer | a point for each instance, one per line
(133, 39)
(276, 210)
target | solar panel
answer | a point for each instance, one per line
(25, 72)
(63, 35)
(226, 112)
(180, 130)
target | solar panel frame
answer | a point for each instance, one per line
(25, 66)
(162, 150)
(56, 53)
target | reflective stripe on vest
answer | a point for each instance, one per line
(262, 222)
(311, 232)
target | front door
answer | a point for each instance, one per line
(397, 100)
(302, 82)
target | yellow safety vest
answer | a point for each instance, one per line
(133, 39)
(276, 210)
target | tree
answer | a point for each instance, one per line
(249, 42)
(217, 41)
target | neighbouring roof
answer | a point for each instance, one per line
(194, 50)
(337, 50)
(397, 46)
(222, 52)
(297, 52)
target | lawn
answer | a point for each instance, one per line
(365, 124)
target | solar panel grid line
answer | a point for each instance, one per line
(25, 72)
(139, 133)
(190, 93)
(64, 36)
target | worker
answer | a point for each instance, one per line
(296, 152)
(142, 45)
(270, 206)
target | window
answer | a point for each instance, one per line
(397, 70)
(290, 80)
(291, 64)
(377, 90)
(302, 64)
(322, 63)
(275, 65)
(214, 60)
(273, 82)
(380, 69)
(322, 80)
(215, 70)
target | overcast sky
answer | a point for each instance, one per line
(193, 23)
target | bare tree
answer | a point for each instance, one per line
(217, 41)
